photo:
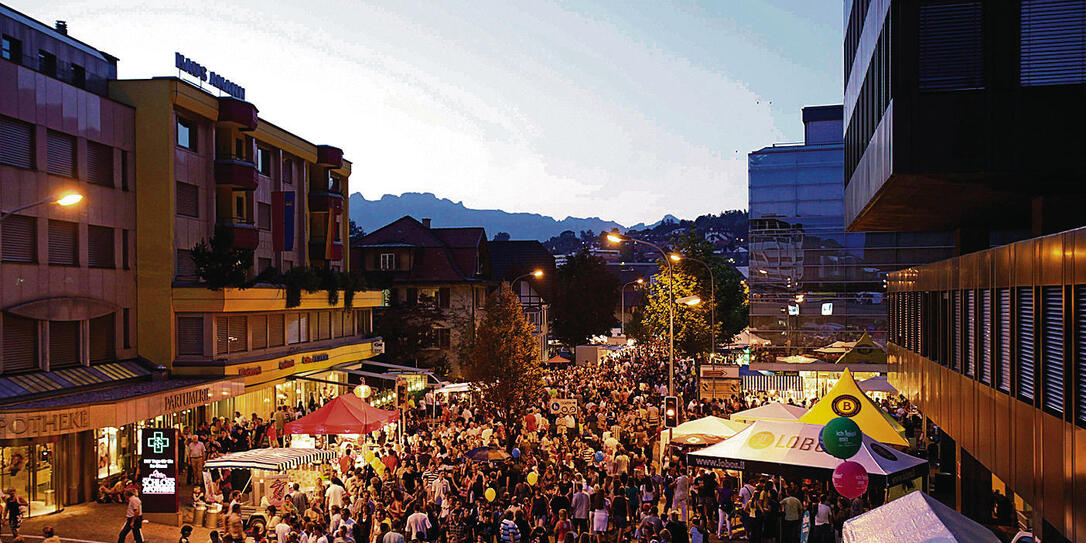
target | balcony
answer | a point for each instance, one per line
(325, 201)
(316, 250)
(246, 235)
(329, 156)
(239, 174)
(237, 113)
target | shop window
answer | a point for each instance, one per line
(60, 158)
(99, 164)
(64, 344)
(275, 330)
(16, 143)
(63, 243)
(19, 238)
(186, 134)
(20, 344)
(103, 342)
(188, 199)
(110, 442)
(100, 247)
(190, 335)
(259, 326)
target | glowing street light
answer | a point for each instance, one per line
(622, 309)
(64, 199)
(689, 300)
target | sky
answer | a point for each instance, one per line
(622, 110)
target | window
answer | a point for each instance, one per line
(263, 216)
(124, 249)
(64, 344)
(124, 170)
(1053, 42)
(100, 247)
(61, 154)
(11, 49)
(388, 261)
(263, 160)
(63, 243)
(337, 323)
(20, 344)
(288, 171)
(287, 264)
(126, 323)
(1003, 376)
(1080, 354)
(1052, 349)
(950, 55)
(259, 326)
(294, 326)
(348, 324)
(186, 134)
(99, 164)
(47, 63)
(444, 297)
(188, 199)
(971, 333)
(1025, 344)
(986, 333)
(78, 76)
(190, 335)
(275, 330)
(184, 266)
(442, 338)
(19, 238)
(231, 334)
(363, 324)
(16, 143)
(956, 318)
(324, 325)
(103, 346)
(239, 208)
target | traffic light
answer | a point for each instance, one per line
(671, 411)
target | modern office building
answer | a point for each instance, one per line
(811, 283)
(967, 116)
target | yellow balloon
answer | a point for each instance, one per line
(378, 466)
(490, 494)
(533, 478)
(368, 456)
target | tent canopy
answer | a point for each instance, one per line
(747, 338)
(865, 351)
(274, 459)
(711, 426)
(846, 399)
(796, 359)
(557, 360)
(454, 388)
(878, 383)
(347, 414)
(771, 411)
(791, 449)
(915, 518)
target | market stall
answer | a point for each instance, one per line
(914, 518)
(879, 385)
(846, 399)
(346, 414)
(773, 411)
(701, 432)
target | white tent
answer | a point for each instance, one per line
(797, 359)
(879, 383)
(713, 426)
(791, 449)
(914, 518)
(273, 459)
(770, 411)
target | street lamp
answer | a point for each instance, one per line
(63, 199)
(622, 309)
(615, 238)
(689, 300)
(712, 300)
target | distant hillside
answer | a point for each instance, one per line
(373, 214)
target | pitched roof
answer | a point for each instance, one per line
(508, 259)
(441, 254)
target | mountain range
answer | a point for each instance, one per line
(373, 214)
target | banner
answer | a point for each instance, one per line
(158, 470)
(283, 220)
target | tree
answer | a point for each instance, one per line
(691, 322)
(357, 233)
(503, 362)
(585, 297)
(408, 331)
(501, 236)
(731, 298)
(219, 264)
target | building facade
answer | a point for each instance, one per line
(965, 116)
(515, 262)
(811, 283)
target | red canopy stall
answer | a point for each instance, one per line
(347, 414)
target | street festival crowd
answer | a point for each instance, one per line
(592, 478)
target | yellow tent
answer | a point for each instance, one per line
(846, 399)
(865, 351)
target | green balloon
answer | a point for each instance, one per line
(842, 438)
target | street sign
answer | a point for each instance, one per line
(563, 406)
(158, 470)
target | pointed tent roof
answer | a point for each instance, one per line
(771, 411)
(878, 383)
(557, 360)
(865, 351)
(713, 426)
(915, 518)
(846, 399)
(347, 414)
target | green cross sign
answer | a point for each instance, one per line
(158, 442)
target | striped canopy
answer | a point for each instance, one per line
(275, 459)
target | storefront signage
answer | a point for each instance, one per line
(719, 371)
(44, 424)
(187, 399)
(288, 363)
(563, 406)
(764, 440)
(315, 358)
(250, 371)
(378, 347)
(158, 470)
(718, 463)
(197, 70)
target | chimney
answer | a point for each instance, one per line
(426, 223)
(62, 27)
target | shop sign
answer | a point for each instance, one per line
(719, 371)
(288, 363)
(315, 358)
(563, 406)
(180, 401)
(719, 463)
(197, 70)
(378, 347)
(158, 470)
(44, 424)
(250, 371)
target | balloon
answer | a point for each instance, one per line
(516, 452)
(841, 437)
(533, 478)
(367, 456)
(378, 466)
(850, 479)
(492, 494)
(599, 456)
(554, 392)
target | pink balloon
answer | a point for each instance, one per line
(850, 479)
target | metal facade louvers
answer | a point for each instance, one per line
(1053, 42)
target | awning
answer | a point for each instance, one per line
(60, 381)
(914, 518)
(455, 388)
(346, 414)
(774, 411)
(557, 360)
(276, 459)
(713, 426)
(877, 384)
(764, 382)
(846, 399)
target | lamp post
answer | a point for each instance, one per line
(64, 199)
(537, 274)
(712, 300)
(622, 309)
(615, 238)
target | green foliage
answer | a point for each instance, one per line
(691, 322)
(503, 364)
(295, 280)
(351, 282)
(408, 332)
(219, 264)
(585, 297)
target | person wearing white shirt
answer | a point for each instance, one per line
(282, 531)
(417, 526)
(334, 495)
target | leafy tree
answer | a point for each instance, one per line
(408, 332)
(731, 298)
(219, 264)
(503, 364)
(585, 297)
(501, 236)
(356, 232)
(691, 322)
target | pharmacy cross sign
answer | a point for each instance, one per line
(158, 442)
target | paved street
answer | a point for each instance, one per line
(98, 523)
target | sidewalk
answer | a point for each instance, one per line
(99, 523)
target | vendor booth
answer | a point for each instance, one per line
(346, 414)
(791, 449)
(701, 432)
(878, 385)
(914, 518)
(771, 411)
(846, 399)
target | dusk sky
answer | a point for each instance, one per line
(623, 110)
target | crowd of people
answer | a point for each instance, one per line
(595, 476)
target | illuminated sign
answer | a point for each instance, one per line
(158, 470)
(184, 400)
(250, 371)
(284, 364)
(199, 71)
(315, 358)
(827, 308)
(793, 309)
